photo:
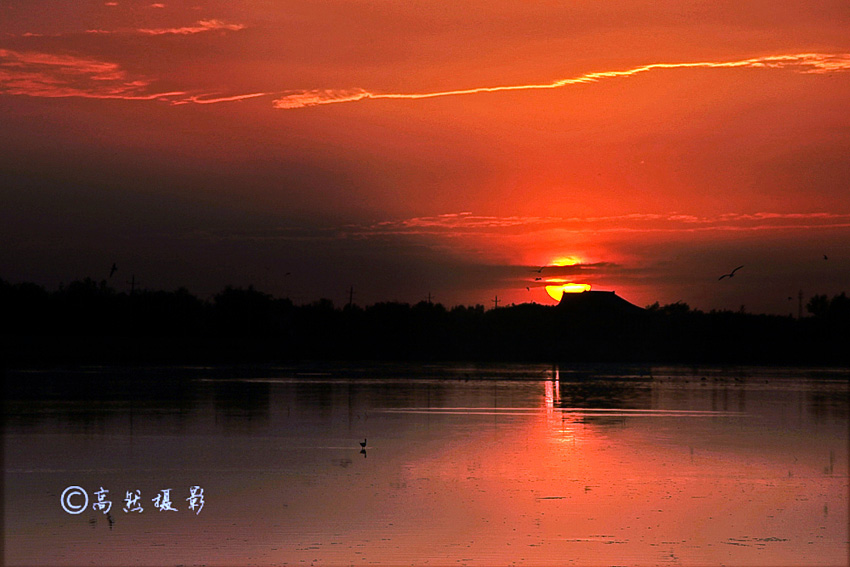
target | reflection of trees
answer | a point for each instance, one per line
(834, 405)
(605, 394)
(241, 402)
(97, 398)
(604, 420)
(100, 385)
(332, 396)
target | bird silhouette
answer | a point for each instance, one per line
(113, 270)
(363, 443)
(730, 274)
(540, 270)
(824, 257)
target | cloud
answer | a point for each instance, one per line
(212, 99)
(317, 97)
(465, 224)
(65, 63)
(49, 75)
(199, 27)
(724, 222)
(453, 221)
(801, 63)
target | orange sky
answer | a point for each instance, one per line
(412, 147)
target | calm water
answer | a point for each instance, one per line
(487, 465)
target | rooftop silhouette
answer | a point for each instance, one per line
(598, 303)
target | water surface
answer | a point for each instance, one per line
(463, 465)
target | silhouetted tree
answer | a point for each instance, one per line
(818, 305)
(243, 312)
(88, 321)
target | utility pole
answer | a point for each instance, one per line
(429, 298)
(132, 283)
(495, 302)
(351, 297)
(800, 305)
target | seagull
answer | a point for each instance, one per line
(730, 274)
(363, 443)
(113, 269)
(540, 270)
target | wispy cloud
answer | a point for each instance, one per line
(49, 75)
(725, 222)
(468, 222)
(213, 99)
(199, 27)
(465, 224)
(464, 220)
(801, 63)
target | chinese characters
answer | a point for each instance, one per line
(133, 501)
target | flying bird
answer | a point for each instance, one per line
(824, 257)
(113, 269)
(540, 270)
(730, 274)
(363, 443)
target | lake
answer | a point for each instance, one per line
(462, 465)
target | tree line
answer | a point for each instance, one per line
(88, 322)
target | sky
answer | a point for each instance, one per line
(408, 149)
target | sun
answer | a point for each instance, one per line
(557, 291)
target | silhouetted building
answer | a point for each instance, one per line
(598, 303)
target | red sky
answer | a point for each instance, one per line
(450, 148)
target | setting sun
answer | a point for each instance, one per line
(556, 291)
